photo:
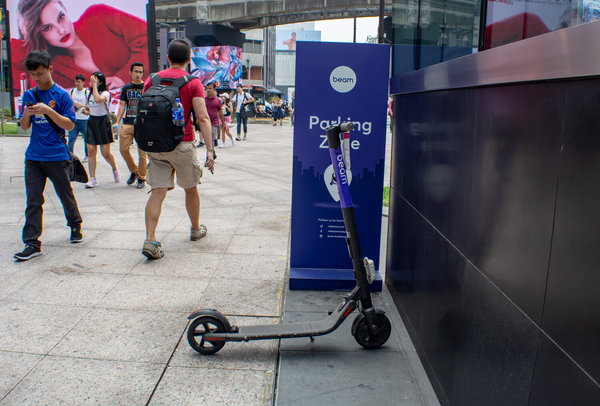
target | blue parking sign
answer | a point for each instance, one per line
(337, 82)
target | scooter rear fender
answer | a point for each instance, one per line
(213, 313)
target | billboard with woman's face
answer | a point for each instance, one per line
(222, 64)
(83, 36)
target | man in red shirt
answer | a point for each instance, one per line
(184, 160)
(214, 105)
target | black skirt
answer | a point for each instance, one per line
(98, 131)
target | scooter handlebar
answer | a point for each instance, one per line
(345, 127)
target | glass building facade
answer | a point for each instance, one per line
(426, 32)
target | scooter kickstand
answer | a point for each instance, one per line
(312, 339)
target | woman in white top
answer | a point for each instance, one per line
(241, 98)
(99, 128)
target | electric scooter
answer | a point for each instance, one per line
(210, 330)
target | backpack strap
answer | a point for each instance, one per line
(155, 79)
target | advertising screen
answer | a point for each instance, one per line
(286, 39)
(513, 20)
(83, 36)
(222, 64)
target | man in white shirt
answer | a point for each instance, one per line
(79, 95)
(240, 98)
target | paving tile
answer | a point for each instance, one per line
(35, 328)
(13, 367)
(218, 221)
(259, 245)
(252, 355)
(201, 386)
(101, 260)
(12, 279)
(156, 293)
(69, 381)
(249, 266)
(243, 297)
(195, 265)
(124, 335)
(345, 378)
(120, 239)
(179, 242)
(65, 285)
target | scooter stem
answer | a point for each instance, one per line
(352, 239)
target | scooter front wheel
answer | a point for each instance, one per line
(199, 327)
(368, 339)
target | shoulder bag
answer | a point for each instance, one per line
(247, 110)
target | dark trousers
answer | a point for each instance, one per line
(241, 120)
(36, 173)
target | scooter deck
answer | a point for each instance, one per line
(284, 330)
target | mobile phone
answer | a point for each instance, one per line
(28, 104)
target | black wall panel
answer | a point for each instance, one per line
(515, 172)
(493, 240)
(572, 313)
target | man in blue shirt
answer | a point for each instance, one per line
(47, 156)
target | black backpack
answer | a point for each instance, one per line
(154, 130)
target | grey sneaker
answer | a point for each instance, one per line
(195, 235)
(152, 250)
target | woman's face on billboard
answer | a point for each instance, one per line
(56, 26)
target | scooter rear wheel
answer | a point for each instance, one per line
(201, 326)
(363, 335)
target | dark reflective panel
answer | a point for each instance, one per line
(572, 312)
(497, 345)
(435, 154)
(515, 172)
(424, 271)
(558, 382)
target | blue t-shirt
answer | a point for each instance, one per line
(45, 144)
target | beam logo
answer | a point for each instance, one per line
(342, 79)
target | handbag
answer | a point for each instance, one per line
(76, 170)
(247, 110)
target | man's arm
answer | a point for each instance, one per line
(122, 107)
(222, 118)
(203, 120)
(25, 121)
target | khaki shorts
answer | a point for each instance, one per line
(184, 161)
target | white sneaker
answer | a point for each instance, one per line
(222, 146)
(233, 142)
(92, 183)
(117, 176)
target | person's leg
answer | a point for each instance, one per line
(58, 174)
(108, 156)
(72, 138)
(35, 182)
(92, 151)
(125, 142)
(84, 132)
(192, 205)
(142, 161)
(238, 121)
(153, 210)
(245, 121)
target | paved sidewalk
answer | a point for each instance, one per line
(98, 323)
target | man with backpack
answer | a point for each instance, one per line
(46, 107)
(79, 95)
(173, 154)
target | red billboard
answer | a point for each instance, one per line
(83, 37)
